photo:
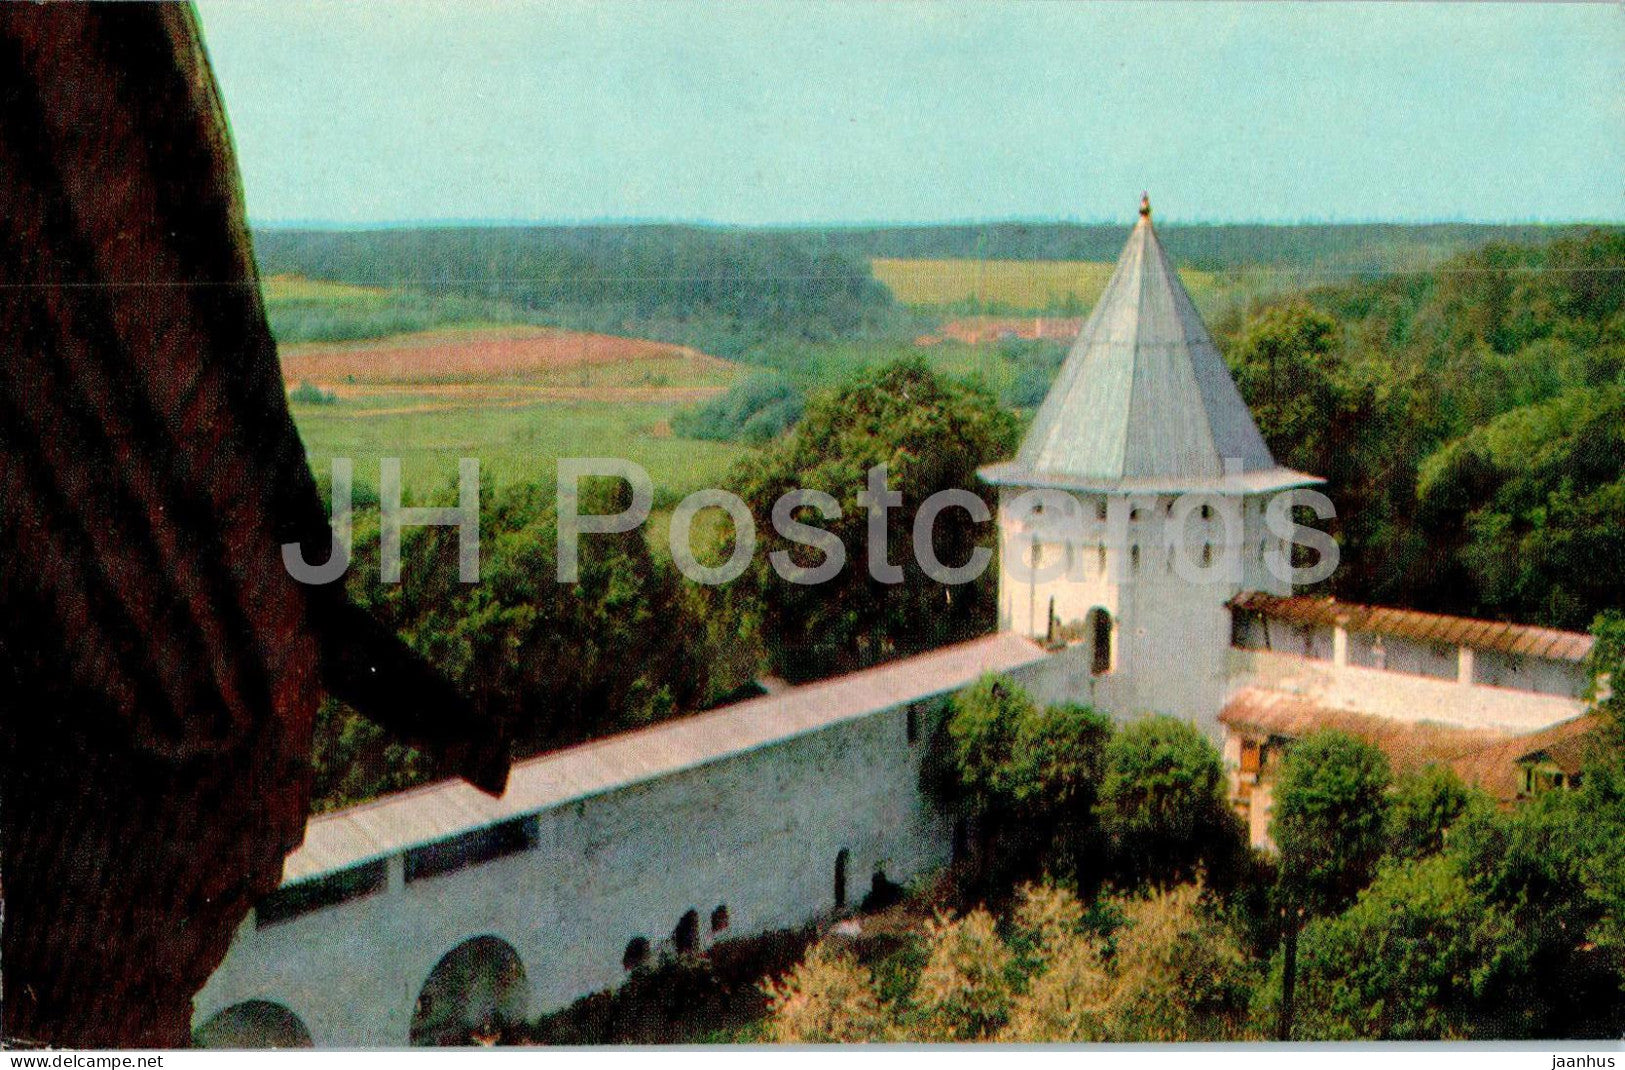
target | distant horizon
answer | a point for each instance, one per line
(707, 224)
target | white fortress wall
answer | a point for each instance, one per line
(758, 830)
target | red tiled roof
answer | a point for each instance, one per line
(1496, 768)
(1484, 757)
(1408, 745)
(1521, 639)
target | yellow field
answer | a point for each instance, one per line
(299, 288)
(1015, 284)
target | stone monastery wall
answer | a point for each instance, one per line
(769, 837)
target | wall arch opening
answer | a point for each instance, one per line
(686, 937)
(1099, 629)
(256, 1023)
(637, 953)
(475, 990)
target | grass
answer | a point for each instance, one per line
(279, 289)
(513, 444)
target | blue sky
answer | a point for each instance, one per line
(371, 112)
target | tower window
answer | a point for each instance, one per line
(1100, 509)
(1100, 553)
(1100, 631)
(1207, 554)
(1134, 558)
(1207, 512)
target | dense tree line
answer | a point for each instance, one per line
(1337, 248)
(1469, 423)
(721, 290)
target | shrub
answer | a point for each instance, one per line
(308, 393)
(828, 999)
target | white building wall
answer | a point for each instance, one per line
(1398, 695)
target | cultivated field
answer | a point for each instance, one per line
(516, 397)
(536, 356)
(1056, 286)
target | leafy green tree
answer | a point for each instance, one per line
(1412, 959)
(563, 662)
(1606, 667)
(1289, 366)
(1529, 509)
(1162, 803)
(1556, 869)
(1329, 819)
(931, 434)
(1025, 774)
(1423, 807)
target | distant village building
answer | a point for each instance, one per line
(1142, 586)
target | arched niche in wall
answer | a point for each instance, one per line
(476, 989)
(1098, 627)
(256, 1023)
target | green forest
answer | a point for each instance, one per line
(1470, 421)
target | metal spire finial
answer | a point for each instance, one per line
(1145, 205)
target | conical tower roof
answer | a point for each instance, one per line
(1144, 400)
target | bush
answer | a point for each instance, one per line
(965, 990)
(1170, 972)
(828, 999)
(308, 393)
(755, 410)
